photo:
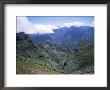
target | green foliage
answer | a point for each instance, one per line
(47, 58)
(85, 53)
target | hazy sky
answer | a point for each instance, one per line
(45, 24)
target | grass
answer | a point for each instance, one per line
(33, 67)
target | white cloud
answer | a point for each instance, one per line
(92, 24)
(77, 23)
(23, 25)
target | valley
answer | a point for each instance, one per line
(69, 50)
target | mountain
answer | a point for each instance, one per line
(27, 48)
(66, 36)
(46, 57)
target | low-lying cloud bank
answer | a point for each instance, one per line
(23, 25)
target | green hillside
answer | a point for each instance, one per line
(47, 58)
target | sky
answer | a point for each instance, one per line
(46, 24)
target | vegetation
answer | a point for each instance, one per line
(35, 57)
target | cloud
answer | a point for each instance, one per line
(23, 25)
(77, 23)
(91, 24)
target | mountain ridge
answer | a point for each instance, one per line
(66, 36)
(53, 57)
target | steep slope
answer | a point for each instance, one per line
(43, 54)
(66, 36)
(37, 57)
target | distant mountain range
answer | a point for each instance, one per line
(66, 36)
